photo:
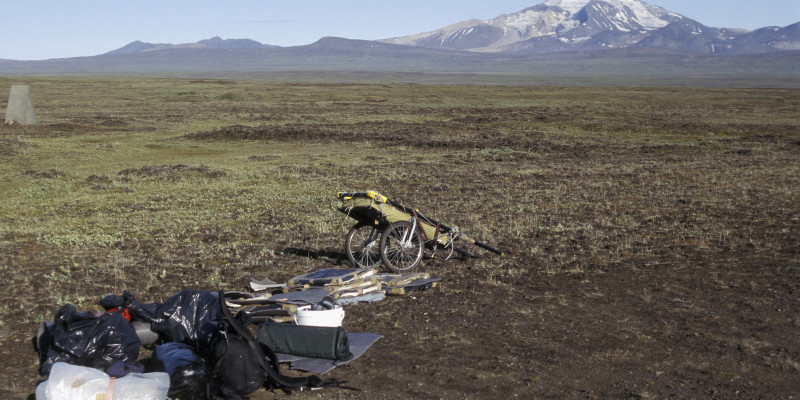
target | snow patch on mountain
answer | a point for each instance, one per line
(649, 16)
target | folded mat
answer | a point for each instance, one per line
(306, 341)
(359, 343)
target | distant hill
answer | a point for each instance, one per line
(338, 54)
(214, 43)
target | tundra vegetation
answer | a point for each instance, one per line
(651, 233)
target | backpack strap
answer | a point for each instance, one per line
(272, 371)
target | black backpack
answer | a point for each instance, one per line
(238, 361)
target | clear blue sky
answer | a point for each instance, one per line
(41, 29)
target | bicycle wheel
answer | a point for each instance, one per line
(401, 248)
(362, 245)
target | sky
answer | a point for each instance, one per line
(44, 29)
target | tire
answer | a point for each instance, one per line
(399, 252)
(363, 245)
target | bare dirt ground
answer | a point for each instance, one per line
(650, 254)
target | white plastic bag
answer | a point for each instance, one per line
(72, 382)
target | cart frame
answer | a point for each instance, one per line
(390, 233)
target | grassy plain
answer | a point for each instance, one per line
(651, 233)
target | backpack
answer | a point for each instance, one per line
(238, 362)
(188, 373)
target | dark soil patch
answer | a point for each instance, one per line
(170, 172)
(423, 135)
(47, 174)
(10, 147)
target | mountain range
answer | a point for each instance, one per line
(566, 25)
(570, 25)
(568, 37)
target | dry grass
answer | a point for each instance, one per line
(630, 217)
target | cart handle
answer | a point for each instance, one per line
(370, 194)
(479, 244)
(462, 252)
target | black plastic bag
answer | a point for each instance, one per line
(136, 310)
(189, 317)
(87, 340)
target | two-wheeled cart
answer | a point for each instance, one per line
(394, 234)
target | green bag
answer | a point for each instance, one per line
(306, 341)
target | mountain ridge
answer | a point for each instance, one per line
(564, 25)
(341, 54)
(579, 38)
(567, 25)
(215, 42)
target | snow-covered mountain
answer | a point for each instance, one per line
(564, 25)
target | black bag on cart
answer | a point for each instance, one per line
(240, 365)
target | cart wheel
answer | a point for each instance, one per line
(362, 245)
(401, 248)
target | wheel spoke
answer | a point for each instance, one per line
(401, 247)
(362, 245)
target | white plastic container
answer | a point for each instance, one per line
(330, 318)
(72, 382)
